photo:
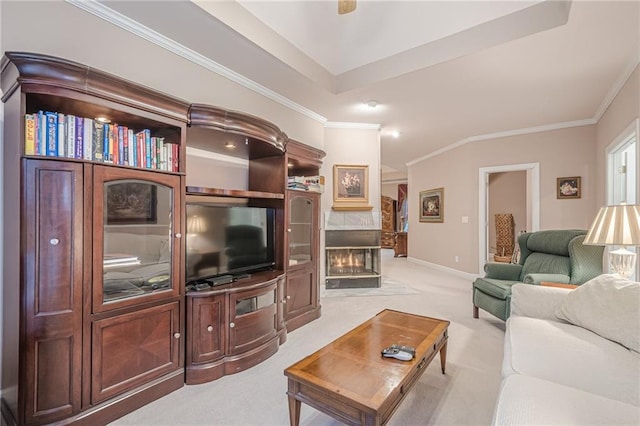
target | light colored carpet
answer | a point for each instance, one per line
(388, 287)
(465, 395)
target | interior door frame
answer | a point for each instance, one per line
(533, 203)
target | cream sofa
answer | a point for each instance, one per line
(556, 372)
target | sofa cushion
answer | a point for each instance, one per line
(528, 400)
(554, 241)
(500, 289)
(571, 356)
(607, 305)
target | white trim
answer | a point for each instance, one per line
(462, 274)
(216, 156)
(507, 133)
(632, 130)
(391, 181)
(346, 125)
(615, 89)
(107, 14)
(533, 201)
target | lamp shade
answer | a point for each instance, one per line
(616, 226)
(196, 225)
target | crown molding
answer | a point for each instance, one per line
(507, 133)
(615, 89)
(107, 14)
(345, 125)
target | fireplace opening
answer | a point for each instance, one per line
(352, 259)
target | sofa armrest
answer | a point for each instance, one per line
(503, 271)
(538, 278)
(536, 301)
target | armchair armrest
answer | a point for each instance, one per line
(536, 301)
(503, 271)
(538, 278)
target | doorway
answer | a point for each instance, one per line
(623, 178)
(532, 188)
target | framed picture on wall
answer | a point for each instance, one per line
(568, 187)
(432, 205)
(351, 187)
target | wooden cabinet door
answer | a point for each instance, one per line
(253, 318)
(52, 290)
(137, 256)
(206, 338)
(300, 293)
(132, 349)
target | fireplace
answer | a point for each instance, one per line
(352, 258)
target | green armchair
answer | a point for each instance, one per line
(555, 255)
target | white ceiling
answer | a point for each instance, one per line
(443, 72)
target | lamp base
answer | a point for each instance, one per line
(622, 262)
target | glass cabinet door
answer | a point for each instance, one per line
(136, 256)
(300, 230)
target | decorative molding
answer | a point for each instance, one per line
(461, 274)
(346, 125)
(392, 181)
(615, 89)
(107, 14)
(507, 133)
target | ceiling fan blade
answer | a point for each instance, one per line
(346, 6)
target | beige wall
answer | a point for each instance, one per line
(624, 109)
(565, 152)
(389, 190)
(507, 194)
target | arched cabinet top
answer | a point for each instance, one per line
(217, 118)
(38, 73)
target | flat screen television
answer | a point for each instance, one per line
(228, 240)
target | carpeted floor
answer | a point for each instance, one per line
(465, 395)
(388, 287)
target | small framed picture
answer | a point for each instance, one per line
(432, 205)
(568, 187)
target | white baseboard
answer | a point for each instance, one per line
(461, 274)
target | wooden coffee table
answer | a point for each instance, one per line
(349, 379)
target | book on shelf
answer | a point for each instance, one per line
(29, 134)
(51, 121)
(306, 183)
(70, 136)
(97, 141)
(79, 138)
(60, 135)
(41, 144)
(87, 139)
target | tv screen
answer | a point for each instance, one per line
(229, 240)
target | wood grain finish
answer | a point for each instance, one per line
(400, 248)
(234, 193)
(240, 123)
(53, 302)
(349, 379)
(132, 349)
(232, 327)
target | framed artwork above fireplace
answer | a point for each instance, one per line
(351, 187)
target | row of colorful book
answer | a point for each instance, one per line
(55, 134)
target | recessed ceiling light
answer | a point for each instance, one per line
(395, 134)
(371, 104)
(229, 145)
(103, 120)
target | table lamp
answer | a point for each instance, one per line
(617, 226)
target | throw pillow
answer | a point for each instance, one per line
(607, 305)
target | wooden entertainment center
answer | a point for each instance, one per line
(97, 320)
